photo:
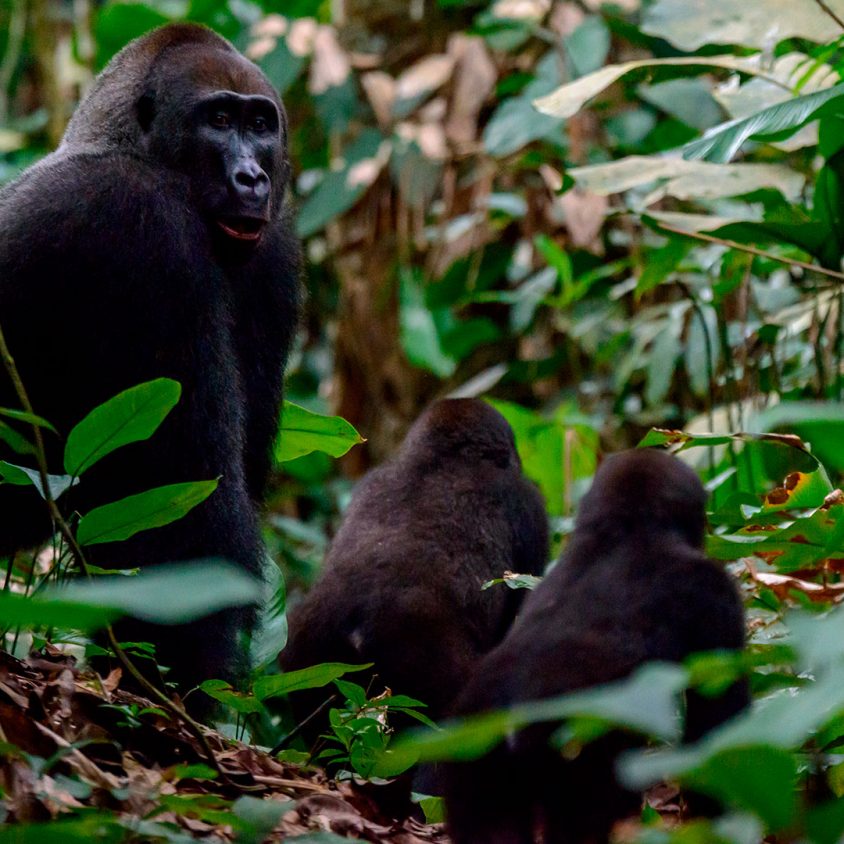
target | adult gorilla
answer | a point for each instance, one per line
(155, 242)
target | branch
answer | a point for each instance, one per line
(752, 250)
(825, 8)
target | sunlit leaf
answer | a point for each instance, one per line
(691, 24)
(570, 98)
(776, 122)
(303, 431)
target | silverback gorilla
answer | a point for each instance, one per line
(632, 585)
(403, 577)
(156, 242)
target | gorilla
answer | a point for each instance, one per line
(402, 581)
(156, 241)
(632, 585)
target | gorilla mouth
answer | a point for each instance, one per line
(242, 228)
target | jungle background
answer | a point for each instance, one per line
(620, 222)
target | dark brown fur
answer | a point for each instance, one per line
(402, 579)
(112, 273)
(632, 586)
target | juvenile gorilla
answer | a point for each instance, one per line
(403, 577)
(632, 585)
(155, 242)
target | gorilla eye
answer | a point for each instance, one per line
(220, 120)
(259, 124)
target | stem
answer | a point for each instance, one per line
(752, 250)
(830, 12)
(65, 530)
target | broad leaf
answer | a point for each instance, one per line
(130, 416)
(171, 594)
(44, 610)
(22, 476)
(303, 431)
(570, 98)
(776, 122)
(645, 702)
(29, 418)
(153, 508)
(314, 677)
(346, 182)
(691, 24)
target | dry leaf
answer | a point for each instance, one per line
(303, 33)
(521, 9)
(380, 90)
(424, 77)
(330, 66)
(475, 75)
(584, 214)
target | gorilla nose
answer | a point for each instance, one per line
(251, 184)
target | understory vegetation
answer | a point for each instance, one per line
(622, 224)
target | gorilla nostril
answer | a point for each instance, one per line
(253, 182)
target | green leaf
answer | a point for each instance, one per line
(645, 702)
(14, 440)
(261, 816)
(119, 23)
(819, 423)
(759, 779)
(776, 122)
(784, 721)
(93, 829)
(314, 677)
(22, 476)
(29, 418)
(303, 431)
(433, 808)
(153, 508)
(130, 416)
(420, 337)
(345, 183)
(220, 690)
(516, 123)
(545, 446)
(661, 263)
(825, 823)
(170, 594)
(48, 611)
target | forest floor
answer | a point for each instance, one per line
(71, 743)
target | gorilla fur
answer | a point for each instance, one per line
(633, 585)
(156, 241)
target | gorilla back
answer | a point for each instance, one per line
(403, 577)
(156, 242)
(633, 585)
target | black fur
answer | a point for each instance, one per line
(113, 272)
(402, 580)
(632, 586)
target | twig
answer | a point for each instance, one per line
(64, 528)
(299, 727)
(830, 12)
(752, 250)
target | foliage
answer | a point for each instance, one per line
(606, 218)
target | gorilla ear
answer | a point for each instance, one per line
(146, 111)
